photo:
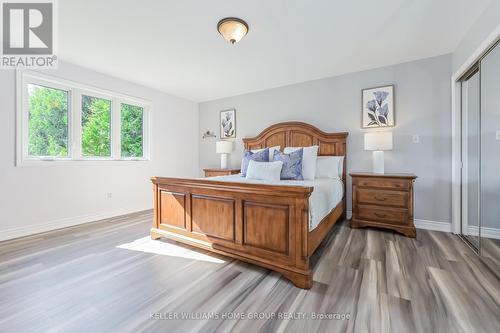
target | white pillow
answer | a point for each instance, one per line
(264, 170)
(308, 160)
(329, 167)
(271, 151)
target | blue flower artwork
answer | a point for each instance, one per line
(378, 107)
(228, 124)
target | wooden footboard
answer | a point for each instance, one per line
(261, 224)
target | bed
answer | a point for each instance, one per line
(275, 225)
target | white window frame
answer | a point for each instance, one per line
(145, 128)
(78, 117)
(75, 92)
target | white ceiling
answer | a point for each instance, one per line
(173, 45)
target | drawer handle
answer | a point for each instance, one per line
(380, 198)
(379, 214)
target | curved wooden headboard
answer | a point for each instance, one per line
(298, 134)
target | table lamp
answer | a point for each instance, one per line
(378, 142)
(224, 148)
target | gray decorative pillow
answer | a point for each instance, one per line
(292, 164)
(260, 156)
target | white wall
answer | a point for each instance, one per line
(422, 103)
(488, 21)
(37, 198)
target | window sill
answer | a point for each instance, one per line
(71, 162)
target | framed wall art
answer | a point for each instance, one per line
(228, 124)
(378, 107)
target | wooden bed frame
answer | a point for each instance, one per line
(266, 225)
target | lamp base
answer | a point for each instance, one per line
(223, 161)
(378, 161)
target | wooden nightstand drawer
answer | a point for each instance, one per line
(397, 184)
(220, 172)
(383, 201)
(212, 174)
(382, 197)
(372, 213)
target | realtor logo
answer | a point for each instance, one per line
(28, 34)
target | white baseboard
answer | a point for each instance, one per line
(473, 230)
(63, 223)
(423, 224)
(486, 232)
(433, 225)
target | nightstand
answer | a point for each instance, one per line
(384, 201)
(213, 172)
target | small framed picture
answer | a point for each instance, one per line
(228, 124)
(378, 107)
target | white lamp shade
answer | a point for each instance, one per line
(378, 141)
(224, 147)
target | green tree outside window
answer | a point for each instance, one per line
(47, 121)
(96, 126)
(132, 130)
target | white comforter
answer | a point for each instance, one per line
(326, 195)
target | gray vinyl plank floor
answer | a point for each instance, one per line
(108, 276)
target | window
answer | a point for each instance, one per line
(60, 120)
(132, 120)
(96, 126)
(47, 121)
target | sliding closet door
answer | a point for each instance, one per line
(471, 130)
(490, 156)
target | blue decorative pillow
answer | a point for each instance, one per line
(292, 164)
(260, 156)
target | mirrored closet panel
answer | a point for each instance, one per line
(471, 148)
(481, 157)
(490, 158)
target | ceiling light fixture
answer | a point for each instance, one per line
(232, 29)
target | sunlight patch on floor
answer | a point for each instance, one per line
(147, 245)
